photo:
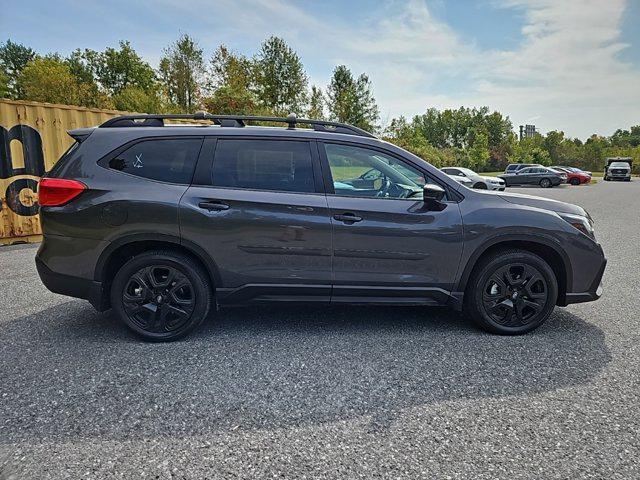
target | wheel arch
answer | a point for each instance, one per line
(541, 246)
(121, 250)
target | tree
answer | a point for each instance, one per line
(404, 134)
(553, 145)
(316, 104)
(530, 150)
(117, 69)
(49, 79)
(13, 58)
(135, 99)
(231, 78)
(82, 69)
(626, 138)
(181, 71)
(281, 82)
(4, 85)
(351, 101)
(478, 153)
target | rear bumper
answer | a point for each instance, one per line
(73, 286)
(594, 292)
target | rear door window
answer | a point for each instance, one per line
(165, 160)
(263, 165)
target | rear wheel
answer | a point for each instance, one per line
(161, 296)
(545, 183)
(575, 181)
(511, 292)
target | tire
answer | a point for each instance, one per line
(606, 179)
(627, 179)
(545, 183)
(480, 186)
(575, 181)
(494, 286)
(161, 295)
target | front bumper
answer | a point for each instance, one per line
(594, 292)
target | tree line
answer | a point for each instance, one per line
(273, 81)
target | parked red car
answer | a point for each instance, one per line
(575, 176)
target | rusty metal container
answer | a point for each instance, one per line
(33, 136)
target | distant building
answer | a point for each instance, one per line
(527, 131)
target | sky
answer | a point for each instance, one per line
(571, 65)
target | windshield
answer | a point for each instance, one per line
(620, 164)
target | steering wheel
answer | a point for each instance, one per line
(386, 185)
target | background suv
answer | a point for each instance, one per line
(514, 167)
(164, 223)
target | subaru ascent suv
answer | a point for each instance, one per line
(165, 223)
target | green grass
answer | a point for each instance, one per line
(346, 173)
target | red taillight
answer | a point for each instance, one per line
(54, 192)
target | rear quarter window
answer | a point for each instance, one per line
(165, 160)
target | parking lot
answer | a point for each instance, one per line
(339, 392)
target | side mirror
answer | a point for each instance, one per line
(432, 193)
(432, 196)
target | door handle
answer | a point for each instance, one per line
(213, 205)
(347, 217)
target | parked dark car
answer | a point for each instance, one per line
(164, 224)
(542, 176)
(514, 167)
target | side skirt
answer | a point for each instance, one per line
(339, 294)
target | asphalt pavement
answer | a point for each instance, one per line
(328, 392)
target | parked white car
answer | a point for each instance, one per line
(467, 182)
(474, 180)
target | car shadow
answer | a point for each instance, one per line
(70, 372)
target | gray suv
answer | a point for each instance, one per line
(164, 223)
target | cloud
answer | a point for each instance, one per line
(565, 71)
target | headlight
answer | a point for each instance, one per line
(584, 224)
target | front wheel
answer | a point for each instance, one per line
(575, 181)
(511, 292)
(161, 295)
(545, 183)
(480, 186)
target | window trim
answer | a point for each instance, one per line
(104, 161)
(452, 195)
(204, 169)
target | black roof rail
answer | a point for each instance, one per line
(154, 120)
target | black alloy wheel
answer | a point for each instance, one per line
(511, 292)
(514, 294)
(161, 296)
(480, 186)
(159, 299)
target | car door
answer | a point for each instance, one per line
(258, 209)
(526, 176)
(387, 245)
